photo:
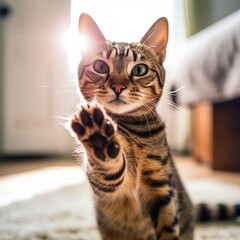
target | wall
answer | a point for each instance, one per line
(2, 16)
(202, 13)
(34, 78)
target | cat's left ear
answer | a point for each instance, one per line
(157, 37)
(90, 30)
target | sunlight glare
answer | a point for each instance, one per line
(74, 44)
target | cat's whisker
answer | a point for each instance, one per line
(71, 84)
(177, 90)
(171, 94)
(63, 121)
(174, 104)
(167, 100)
(71, 103)
(66, 91)
(150, 109)
(149, 129)
(154, 115)
(149, 94)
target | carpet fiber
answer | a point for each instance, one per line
(68, 214)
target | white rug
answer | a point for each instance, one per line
(67, 213)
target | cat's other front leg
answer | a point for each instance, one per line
(97, 133)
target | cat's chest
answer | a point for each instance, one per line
(131, 218)
(141, 136)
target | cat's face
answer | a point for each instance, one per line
(123, 77)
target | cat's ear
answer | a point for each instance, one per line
(89, 30)
(157, 37)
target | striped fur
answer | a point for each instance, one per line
(138, 192)
(221, 211)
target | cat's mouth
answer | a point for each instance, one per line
(117, 101)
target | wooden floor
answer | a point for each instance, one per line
(9, 166)
(188, 168)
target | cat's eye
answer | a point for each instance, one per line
(100, 66)
(140, 70)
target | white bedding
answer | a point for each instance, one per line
(208, 65)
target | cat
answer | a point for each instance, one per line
(138, 193)
(137, 190)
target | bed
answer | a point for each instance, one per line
(208, 66)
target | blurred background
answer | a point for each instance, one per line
(39, 54)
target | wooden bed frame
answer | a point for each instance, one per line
(216, 134)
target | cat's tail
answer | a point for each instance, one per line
(213, 212)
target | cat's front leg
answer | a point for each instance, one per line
(97, 133)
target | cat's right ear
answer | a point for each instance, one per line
(89, 30)
(157, 38)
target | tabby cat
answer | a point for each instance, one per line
(138, 192)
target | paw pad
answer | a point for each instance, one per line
(77, 128)
(96, 132)
(98, 140)
(113, 150)
(109, 130)
(98, 116)
(86, 118)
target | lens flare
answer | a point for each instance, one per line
(74, 44)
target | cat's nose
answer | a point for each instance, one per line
(118, 88)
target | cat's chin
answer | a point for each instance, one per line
(118, 107)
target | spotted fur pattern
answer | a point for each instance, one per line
(138, 193)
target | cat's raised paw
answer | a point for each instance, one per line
(96, 131)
